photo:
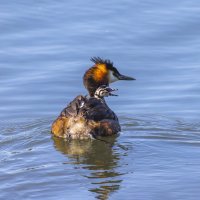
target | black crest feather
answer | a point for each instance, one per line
(98, 60)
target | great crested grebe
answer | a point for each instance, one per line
(88, 117)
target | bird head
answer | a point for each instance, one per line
(102, 73)
(104, 91)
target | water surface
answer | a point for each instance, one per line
(45, 49)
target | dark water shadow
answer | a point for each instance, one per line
(98, 160)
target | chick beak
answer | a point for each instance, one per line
(110, 90)
(122, 77)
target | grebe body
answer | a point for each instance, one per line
(88, 117)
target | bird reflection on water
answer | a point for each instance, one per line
(99, 158)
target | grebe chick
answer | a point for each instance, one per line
(104, 91)
(87, 117)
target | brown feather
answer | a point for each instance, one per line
(95, 77)
(86, 118)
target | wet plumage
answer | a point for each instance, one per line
(88, 117)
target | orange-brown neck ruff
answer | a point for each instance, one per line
(95, 77)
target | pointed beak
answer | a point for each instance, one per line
(122, 77)
(110, 90)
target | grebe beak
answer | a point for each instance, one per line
(110, 90)
(122, 77)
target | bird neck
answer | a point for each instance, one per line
(95, 77)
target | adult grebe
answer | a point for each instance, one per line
(87, 117)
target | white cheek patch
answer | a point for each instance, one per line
(112, 78)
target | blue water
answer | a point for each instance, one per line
(45, 49)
